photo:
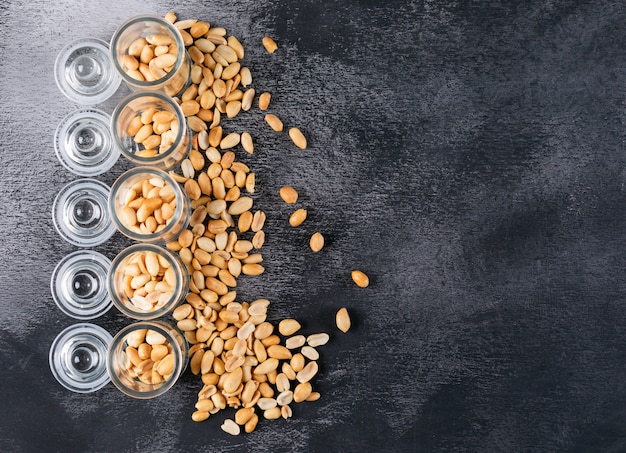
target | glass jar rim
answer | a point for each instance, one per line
(182, 279)
(180, 56)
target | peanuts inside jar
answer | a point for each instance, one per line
(146, 281)
(150, 58)
(150, 129)
(148, 205)
(146, 359)
(149, 281)
(149, 53)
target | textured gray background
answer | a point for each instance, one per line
(468, 155)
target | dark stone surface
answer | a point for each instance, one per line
(469, 156)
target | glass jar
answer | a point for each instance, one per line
(136, 201)
(133, 368)
(146, 281)
(84, 72)
(127, 42)
(164, 143)
(78, 284)
(80, 213)
(83, 144)
(78, 357)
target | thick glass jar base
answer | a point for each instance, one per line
(83, 143)
(78, 357)
(78, 285)
(80, 213)
(84, 72)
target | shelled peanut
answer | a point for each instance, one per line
(149, 205)
(360, 278)
(155, 130)
(149, 281)
(149, 357)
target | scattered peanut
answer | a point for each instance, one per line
(231, 427)
(297, 217)
(318, 339)
(264, 100)
(246, 142)
(274, 122)
(360, 278)
(317, 242)
(288, 327)
(269, 44)
(297, 138)
(342, 319)
(288, 194)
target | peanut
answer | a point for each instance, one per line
(274, 122)
(298, 217)
(269, 44)
(288, 327)
(264, 100)
(317, 242)
(288, 194)
(342, 319)
(360, 278)
(297, 138)
(230, 427)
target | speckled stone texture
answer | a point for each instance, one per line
(467, 155)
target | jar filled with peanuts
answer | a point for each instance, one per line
(146, 281)
(149, 54)
(149, 128)
(148, 205)
(145, 359)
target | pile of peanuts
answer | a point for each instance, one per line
(245, 362)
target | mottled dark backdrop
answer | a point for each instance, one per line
(468, 155)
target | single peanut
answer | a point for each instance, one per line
(297, 137)
(288, 194)
(297, 217)
(274, 122)
(269, 44)
(360, 278)
(342, 319)
(316, 242)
